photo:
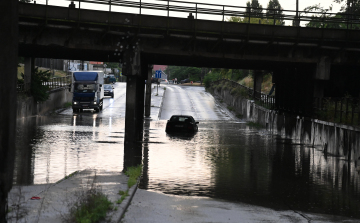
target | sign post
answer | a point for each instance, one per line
(158, 75)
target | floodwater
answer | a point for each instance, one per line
(225, 159)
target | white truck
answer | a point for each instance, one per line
(88, 90)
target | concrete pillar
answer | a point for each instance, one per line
(8, 78)
(29, 67)
(148, 92)
(134, 96)
(132, 154)
(258, 78)
(132, 117)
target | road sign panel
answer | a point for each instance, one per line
(158, 74)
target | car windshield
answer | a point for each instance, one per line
(180, 119)
(85, 88)
(107, 87)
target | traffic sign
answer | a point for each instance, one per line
(158, 74)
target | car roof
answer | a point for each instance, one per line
(188, 116)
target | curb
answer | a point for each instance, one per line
(118, 215)
(161, 104)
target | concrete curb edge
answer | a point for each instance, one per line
(126, 203)
(161, 104)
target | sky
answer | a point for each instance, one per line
(286, 4)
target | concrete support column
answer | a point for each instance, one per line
(148, 92)
(135, 84)
(8, 78)
(258, 79)
(29, 67)
(133, 119)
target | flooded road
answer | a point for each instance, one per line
(225, 159)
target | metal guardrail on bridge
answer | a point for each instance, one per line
(297, 18)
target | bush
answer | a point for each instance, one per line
(210, 77)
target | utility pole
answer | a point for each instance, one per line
(297, 20)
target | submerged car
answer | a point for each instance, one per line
(108, 90)
(181, 123)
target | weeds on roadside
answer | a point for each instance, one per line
(255, 125)
(91, 205)
(133, 173)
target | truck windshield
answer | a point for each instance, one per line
(85, 88)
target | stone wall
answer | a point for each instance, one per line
(333, 139)
(27, 107)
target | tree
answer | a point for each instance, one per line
(349, 6)
(274, 10)
(254, 8)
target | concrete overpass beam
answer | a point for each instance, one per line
(148, 92)
(29, 67)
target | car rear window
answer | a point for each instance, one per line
(180, 119)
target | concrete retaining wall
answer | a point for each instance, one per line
(332, 138)
(27, 107)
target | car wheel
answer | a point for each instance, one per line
(112, 96)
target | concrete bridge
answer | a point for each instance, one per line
(306, 62)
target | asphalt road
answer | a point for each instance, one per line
(194, 101)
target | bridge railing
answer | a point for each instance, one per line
(260, 98)
(344, 110)
(269, 16)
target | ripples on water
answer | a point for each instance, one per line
(223, 160)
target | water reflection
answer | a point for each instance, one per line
(223, 160)
(50, 148)
(235, 162)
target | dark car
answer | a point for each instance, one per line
(108, 90)
(112, 78)
(184, 81)
(181, 123)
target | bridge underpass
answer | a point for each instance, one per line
(301, 59)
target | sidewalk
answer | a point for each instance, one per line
(56, 199)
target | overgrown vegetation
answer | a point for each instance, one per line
(255, 125)
(133, 173)
(91, 206)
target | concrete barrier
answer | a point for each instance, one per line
(334, 139)
(26, 106)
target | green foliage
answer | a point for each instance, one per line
(210, 77)
(255, 125)
(254, 8)
(37, 89)
(266, 21)
(181, 73)
(91, 206)
(123, 194)
(133, 173)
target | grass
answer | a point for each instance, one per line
(255, 125)
(231, 108)
(240, 116)
(133, 173)
(67, 104)
(92, 208)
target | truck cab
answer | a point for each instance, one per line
(88, 91)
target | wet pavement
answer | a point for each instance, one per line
(226, 164)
